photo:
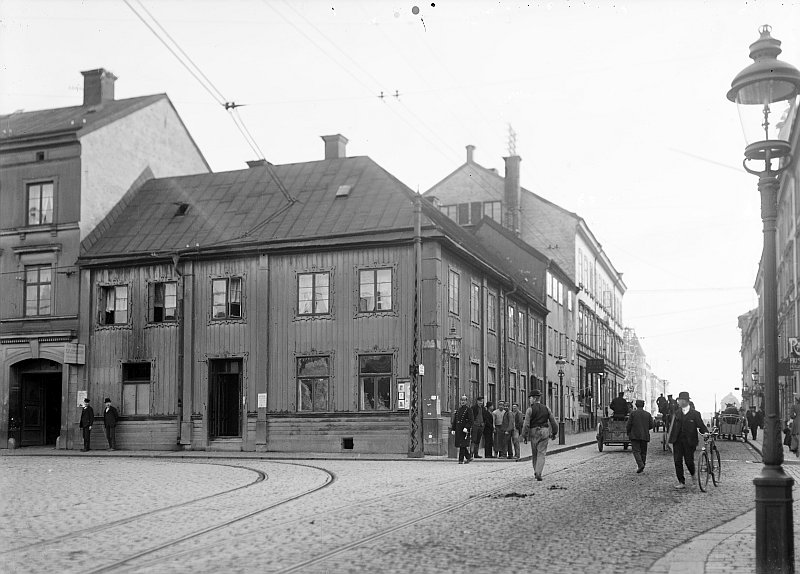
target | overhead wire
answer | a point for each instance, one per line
(186, 61)
(372, 90)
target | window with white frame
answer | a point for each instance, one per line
(226, 298)
(549, 284)
(521, 327)
(40, 203)
(475, 379)
(163, 301)
(452, 292)
(491, 311)
(475, 303)
(313, 382)
(313, 293)
(38, 285)
(375, 290)
(113, 305)
(511, 324)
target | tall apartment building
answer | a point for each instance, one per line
(473, 191)
(62, 171)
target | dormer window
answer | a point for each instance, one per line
(40, 203)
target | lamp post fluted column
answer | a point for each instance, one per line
(766, 93)
(774, 515)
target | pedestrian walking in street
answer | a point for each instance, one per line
(110, 416)
(619, 406)
(683, 437)
(639, 424)
(517, 420)
(760, 418)
(488, 431)
(477, 426)
(794, 414)
(539, 427)
(501, 423)
(460, 426)
(87, 420)
(752, 421)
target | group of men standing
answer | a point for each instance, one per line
(500, 430)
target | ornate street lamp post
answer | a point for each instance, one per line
(561, 362)
(766, 94)
(452, 348)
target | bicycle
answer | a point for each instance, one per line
(709, 464)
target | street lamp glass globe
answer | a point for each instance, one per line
(766, 94)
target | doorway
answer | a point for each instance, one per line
(225, 398)
(35, 403)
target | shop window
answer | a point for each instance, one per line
(374, 382)
(136, 388)
(313, 381)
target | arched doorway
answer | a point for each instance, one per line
(35, 402)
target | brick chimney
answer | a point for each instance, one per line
(512, 193)
(98, 86)
(335, 146)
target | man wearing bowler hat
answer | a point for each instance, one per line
(110, 416)
(87, 420)
(540, 427)
(683, 437)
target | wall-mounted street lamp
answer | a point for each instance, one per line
(766, 94)
(560, 362)
(452, 349)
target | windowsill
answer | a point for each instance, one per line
(39, 318)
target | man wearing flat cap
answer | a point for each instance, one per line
(683, 437)
(539, 426)
(639, 424)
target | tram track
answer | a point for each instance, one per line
(260, 477)
(133, 562)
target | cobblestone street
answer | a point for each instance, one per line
(592, 512)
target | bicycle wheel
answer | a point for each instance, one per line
(716, 476)
(703, 470)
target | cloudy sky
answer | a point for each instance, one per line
(619, 112)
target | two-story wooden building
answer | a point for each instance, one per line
(278, 308)
(61, 171)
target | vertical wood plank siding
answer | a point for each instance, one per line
(345, 333)
(270, 336)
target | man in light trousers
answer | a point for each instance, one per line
(540, 427)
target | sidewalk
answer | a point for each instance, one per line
(729, 548)
(572, 441)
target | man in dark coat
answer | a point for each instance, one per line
(752, 424)
(683, 437)
(477, 426)
(110, 416)
(639, 424)
(488, 431)
(620, 406)
(662, 404)
(87, 420)
(460, 425)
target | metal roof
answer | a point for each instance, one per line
(79, 119)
